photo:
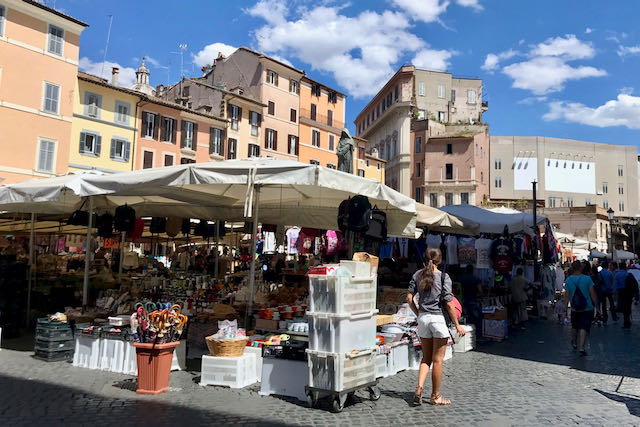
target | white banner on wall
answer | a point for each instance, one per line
(525, 171)
(569, 176)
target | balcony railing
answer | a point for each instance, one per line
(321, 118)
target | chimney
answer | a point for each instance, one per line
(114, 76)
(220, 58)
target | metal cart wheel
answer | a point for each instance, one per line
(337, 405)
(312, 399)
(374, 392)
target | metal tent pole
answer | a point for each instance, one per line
(216, 250)
(32, 238)
(122, 237)
(87, 257)
(252, 268)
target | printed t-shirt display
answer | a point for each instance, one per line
(483, 252)
(451, 243)
(306, 238)
(434, 241)
(502, 255)
(466, 250)
(293, 235)
(332, 242)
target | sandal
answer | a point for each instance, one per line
(417, 397)
(437, 399)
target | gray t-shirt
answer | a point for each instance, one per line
(429, 302)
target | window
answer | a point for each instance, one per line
(384, 106)
(378, 110)
(395, 148)
(271, 109)
(316, 90)
(149, 126)
(292, 146)
(185, 91)
(361, 172)
(620, 188)
(621, 206)
(441, 92)
(90, 143)
(382, 150)
(188, 135)
(448, 199)
(476, 149)
(271, 139)
(313, 111)
(418, 169)
(418, 194)
(481, 152)
(215, 141)
(147, 160)
(254, 150)
(421, 115)
(379, 165)
(497, 163)
(314, 162)
(254, 118)
(449, 149)
(498, 182)
(449, 171)
(330, 117)
(388, 152)
(272, 77)
(368, 163)
(441, 116)
(293, 86)
(92, 104)
(620, 170)
(168, 160)
(570, 202)
(422, 89)
(471, 97)
(235, 114)
(56, 40)
(122, 112)
(331, 166)
(552, 202)
(389, 99)
(433, 200)
(605, 204)
(361, 153)
(46, 151)
(120, 149)
(396, 92)
(605, 188)
(2, 19)
(168, 130)
(315, 138)
(418, 143)
(332, 142)
(587, 201)
(453, 95)
(51, 98)
(293, 115)
(232, 149)
(464, 198)
(186, 161)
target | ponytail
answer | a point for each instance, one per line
(427, 275)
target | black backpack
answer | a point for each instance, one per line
(354, 214)
(186, 226)
(378, 225)
(125, 219)
(578, 300)
(105, 225)
(158, 225)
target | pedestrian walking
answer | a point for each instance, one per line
(619, 279)
(582, 297)
(628, 293)
(606, 275)
(518, 287)
(434, 295)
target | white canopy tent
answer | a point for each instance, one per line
(492, 222)
(438, 220)
(621, 255)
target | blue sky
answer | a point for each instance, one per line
(550, 68)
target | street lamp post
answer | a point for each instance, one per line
(610, 236)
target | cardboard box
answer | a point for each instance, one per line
(371, 259)
(267, 324)
(498, 329)
(496, 315)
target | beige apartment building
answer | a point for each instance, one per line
(414, 95)
(569, 173)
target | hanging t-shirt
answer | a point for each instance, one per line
(306, 239)
(269, 242)
(466, 250)
(502, 255)
(332, 242)
(434, 241)
(483, 252)
(293, 235)
(451, 243)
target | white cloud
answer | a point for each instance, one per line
(628, 50)
(475, 4)
(532, 100)
(589, 30)
(567, 47)
(623, 111)
(210, 52)
(361, 51)
(492, 60)
(126, 78)
(151, 61)
(424, 10)
(432, 59)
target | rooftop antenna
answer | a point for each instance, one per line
(104, 58)
(183, 48)
(168, 71)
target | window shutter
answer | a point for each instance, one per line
(144, 124)
(266, 139)
(174, 128)
(297, 145)
(239, 113)
(298, 89)
(127, 151)
(183, 134)
(275, 140)
(276, 79)
(211, 139)
(266, 79)
(98, 145)
(194, 143)
(155, 126)
(229, 111)
(259, 116)
(290, 85)
(113, 149)
(221, 145)
(163, 130)
(229, 149)
(82, 139)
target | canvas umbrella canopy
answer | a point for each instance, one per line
(492, 222)
(437, 220)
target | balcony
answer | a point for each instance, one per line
(320, 118)
(451, 183)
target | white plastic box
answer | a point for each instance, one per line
(234, 372)
(466, 343)
(415, 358)
(342, 294)
(398, 358)
(357, 268)
(87, 352)
(382, 365)
(341, 371)
(336, 333)
(258, 352)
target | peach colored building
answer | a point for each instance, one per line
(367, 165)
(39, 49)
(322, 112)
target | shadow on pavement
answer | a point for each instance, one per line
(633, 404)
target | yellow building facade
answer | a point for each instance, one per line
(104, 127)
(367, 165)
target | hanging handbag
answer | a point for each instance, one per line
(158, 225)
(125, 218)
(377, 225)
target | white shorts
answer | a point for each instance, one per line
(432, 326)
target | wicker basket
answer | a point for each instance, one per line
(226, 348)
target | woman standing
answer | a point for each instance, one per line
(582, 296)
(431, 288)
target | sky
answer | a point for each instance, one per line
(566, 69)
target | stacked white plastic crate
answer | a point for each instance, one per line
(342, 318)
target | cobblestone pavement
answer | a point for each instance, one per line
(533, 378)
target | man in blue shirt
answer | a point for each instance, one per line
(606, 274)
(582, 304)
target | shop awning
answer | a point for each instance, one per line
(492, 222)
(438, 220)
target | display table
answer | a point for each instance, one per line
(284, 377)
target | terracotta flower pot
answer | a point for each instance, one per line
(154, 366)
